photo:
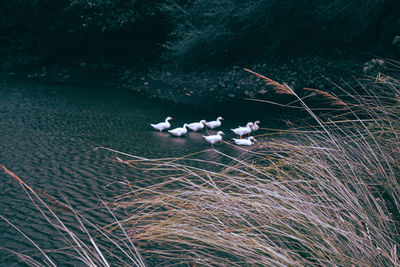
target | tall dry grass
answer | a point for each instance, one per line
(321, 195)
(84, 246)
(327, 195)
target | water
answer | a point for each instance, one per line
(48, 133)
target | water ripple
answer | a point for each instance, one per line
(48, 133)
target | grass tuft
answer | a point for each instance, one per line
(327, 194)
(81, 246)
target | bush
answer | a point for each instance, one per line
(210, 31)
(67, 29)
(193, 31)
(396, 40)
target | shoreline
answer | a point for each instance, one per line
(206, 88)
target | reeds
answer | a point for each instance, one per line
(335, 100)
(279, 88)
(326, 196)
(84, 246)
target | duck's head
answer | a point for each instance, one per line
(203, 121)
(250, 124)
(168, 118)
(257, 122)
(220, 119)
(220, 133)
(184, 126)
(251, 138)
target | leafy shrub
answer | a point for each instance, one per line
(396, 40)
(193, 31)
(80, 28)
(221, 31)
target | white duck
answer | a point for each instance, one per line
(162, 125)
(245, 142)
(214, 124)
(255, 126)
(195, 126)
(179, 131)
(212, 139)
(243, 130)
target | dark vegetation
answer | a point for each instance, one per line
(45, 32)
(227, 31)
(154, 46)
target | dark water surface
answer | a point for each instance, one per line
(48, 133)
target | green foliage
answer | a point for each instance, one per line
(220, 31)
(183, 31)
(396, 40)
(67, 29)
(103, 16)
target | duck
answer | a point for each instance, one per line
(245, 142)
(162, 125)
(214, 124)
(255, 126)
(179, 131)
(243, 130)
(212, 139)
(195, 126)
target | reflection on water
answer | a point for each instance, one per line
(48, 136)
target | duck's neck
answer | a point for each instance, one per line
(167, 119)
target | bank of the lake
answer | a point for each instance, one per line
(209, 88)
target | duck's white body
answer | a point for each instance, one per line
(255, 126)
(162, 125)
(214, 124)
(179, 131)
(195, 126)
(245, 142)
(212, 139)
(243, 130)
